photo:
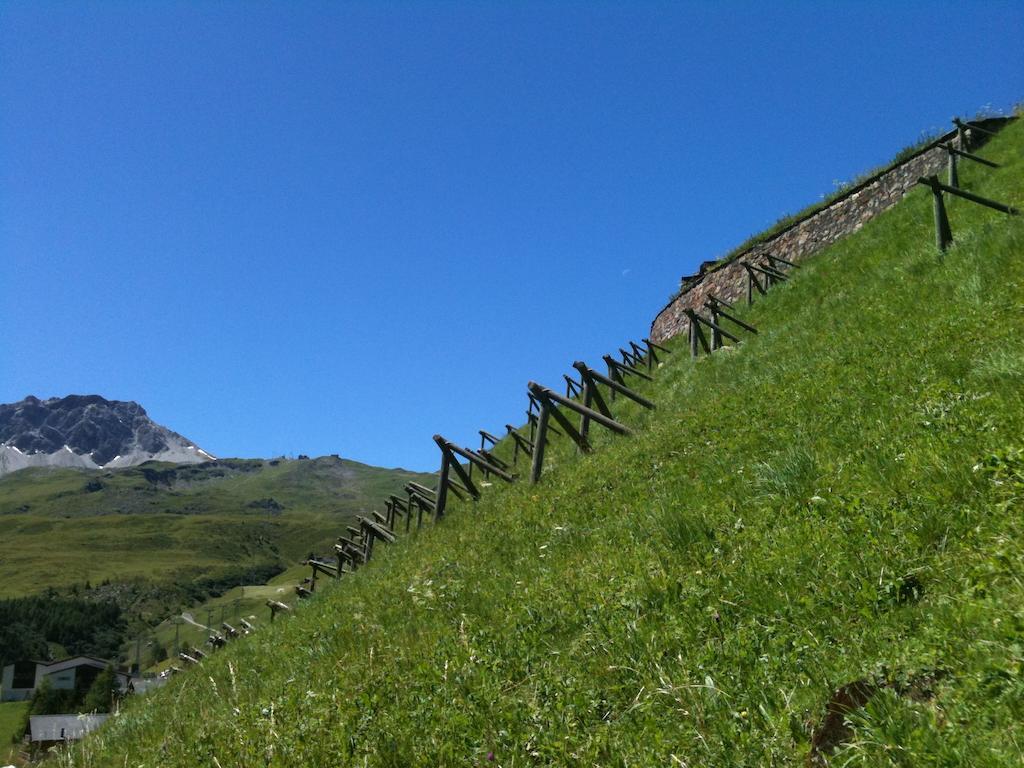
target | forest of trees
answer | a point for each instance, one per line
(82, 627)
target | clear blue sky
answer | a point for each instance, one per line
(340, 228)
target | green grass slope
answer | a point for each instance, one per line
(247, 601)
(161, 521)
(836, 500)
(12, 714)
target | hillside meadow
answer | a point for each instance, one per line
(833, 505)
(162, 522)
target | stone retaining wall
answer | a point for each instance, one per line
(842, 217)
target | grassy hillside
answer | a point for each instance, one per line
(12, 715)
(162, 521)
(247, 601)
(836, 503)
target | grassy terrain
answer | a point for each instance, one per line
(248, 602)
(836, 500)
(160, 521)
(11, 714)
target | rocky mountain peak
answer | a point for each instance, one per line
(86, 431)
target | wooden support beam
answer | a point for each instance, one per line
(355, 554)
(422, 505)
(935, 184)
(976, 158)
(548, 400)
(302, 592)
(540, 441)
(628, 358)
(641, 355)
(586, 372)
(772, 259)
(484, 435)
(696, 335)
(354, 545)
(375, 530)
(943, 232)
(346, 555)
(581, 441)
(422, 489)
(770, 271)
(532, 418)
(716, 331)
(328, 569)
(717, 300)
(495, 460)
(694, 317)
(449, 463)
(572, 387)
(276, 608)
(651, 345)
(458, 489)
(521, 443)
(972, 127)
(466, 478)
(752, 282)
(475, 458)
(718, 310)
(611, 362)
(652, 355)
(572, 405)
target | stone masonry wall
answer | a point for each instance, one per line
(806, 236)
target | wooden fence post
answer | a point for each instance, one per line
(539, 442)
(442, 486)
(943, 233)
(716, 331)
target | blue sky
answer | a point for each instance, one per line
(340, 228)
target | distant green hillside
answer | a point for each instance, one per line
(175, 523)
(834, 505)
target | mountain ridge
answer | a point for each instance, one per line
(87, 432)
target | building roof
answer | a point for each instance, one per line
(48, 668)
(75, 661)
(63, 727)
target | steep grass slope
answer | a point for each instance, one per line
(837, 500)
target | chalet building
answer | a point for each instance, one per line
(46, 731)
(20, 680)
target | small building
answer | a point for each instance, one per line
(47, 730)
(18, 681)
(21, 679)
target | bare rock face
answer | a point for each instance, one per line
(86, 431)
